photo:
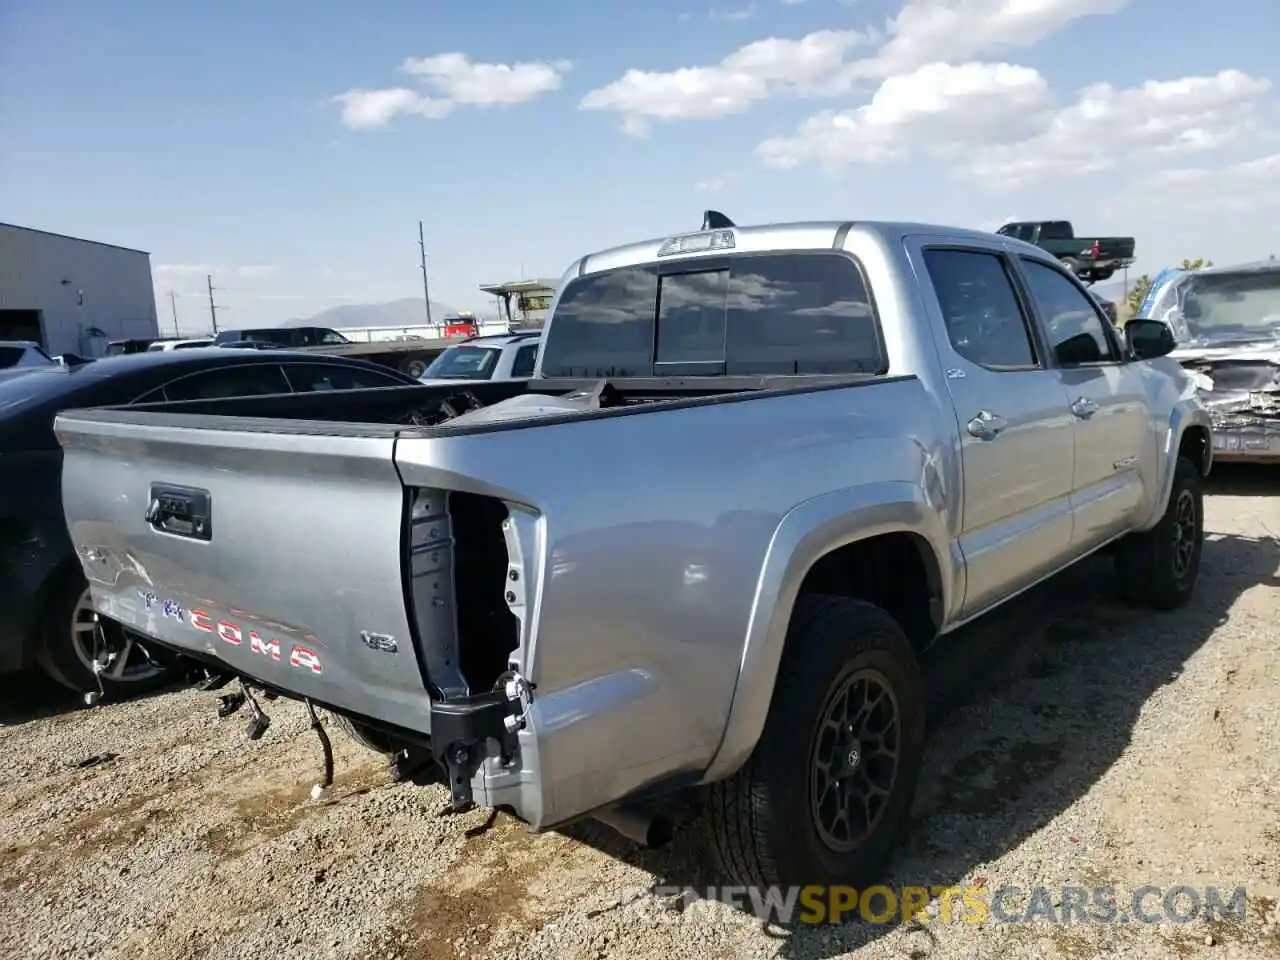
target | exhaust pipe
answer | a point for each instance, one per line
(638, 825)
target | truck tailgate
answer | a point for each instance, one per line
(179, 532)
(1115, 248)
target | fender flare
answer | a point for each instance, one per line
(805, 534)
(1187, 414)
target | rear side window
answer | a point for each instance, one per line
(525, 360)
(1055, 230)
(985, 323)
(245, 381)
(746, 315)
(310, 377)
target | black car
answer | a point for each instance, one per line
(282, 336)
(45, 615)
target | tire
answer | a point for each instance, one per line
(65, 644)
(366, 736)
(764, 828)
(1157, 569)
(414, 366)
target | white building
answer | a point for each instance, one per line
(71, 295)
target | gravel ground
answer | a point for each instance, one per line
(1074, 742)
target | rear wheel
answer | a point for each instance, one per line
(826, 792)
(72, 635)
(368, 737)
(414, 366)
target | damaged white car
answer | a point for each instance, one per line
(1226, 321)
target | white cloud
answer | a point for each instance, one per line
(948, 107)
(450, 80)
(750, 74)
(1249, 187)
(732, 14)
(924, 32)
(998, 123)
(181, 269)
(1108, 127)
(171, 272)
(931, 30)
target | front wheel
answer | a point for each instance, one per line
(826, 792)
(1158, 568)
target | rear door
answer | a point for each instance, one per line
(1106, 397)
(1011, 409)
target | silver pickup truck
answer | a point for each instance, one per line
(757, 472)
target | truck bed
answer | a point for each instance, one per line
(366, 551)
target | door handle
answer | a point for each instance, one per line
(1084, 408)
(181, 511)
(986, 425)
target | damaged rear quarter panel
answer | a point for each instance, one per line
(649, 570)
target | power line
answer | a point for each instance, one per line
(213, 308)
(422, 251)
(173, 305)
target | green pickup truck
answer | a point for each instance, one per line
(1090, 258)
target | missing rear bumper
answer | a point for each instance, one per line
(467, 731)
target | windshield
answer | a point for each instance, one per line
(1226, 307)
(11, 356)
(463, 363)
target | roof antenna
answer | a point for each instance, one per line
(715, 220)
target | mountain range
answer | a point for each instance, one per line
(409, 312)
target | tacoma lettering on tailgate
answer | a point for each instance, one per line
(300, 655)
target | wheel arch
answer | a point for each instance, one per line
(1190, 433)
(813, 539)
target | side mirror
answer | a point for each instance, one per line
(1148, 339)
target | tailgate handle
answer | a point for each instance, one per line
(181, 511)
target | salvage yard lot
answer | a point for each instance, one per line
(1075, 741)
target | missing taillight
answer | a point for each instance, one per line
(458, 573)
(488, 632)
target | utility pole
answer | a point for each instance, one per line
(422, 251)
(173, 305)
(213, 310)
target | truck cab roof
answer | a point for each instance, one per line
(773, 238)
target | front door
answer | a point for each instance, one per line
(1113, 436)
(1015, 428)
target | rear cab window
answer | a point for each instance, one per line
(464, 363)
(746, 314)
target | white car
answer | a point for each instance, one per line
(503, 356)
(160, 345)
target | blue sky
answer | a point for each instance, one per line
(209, 134)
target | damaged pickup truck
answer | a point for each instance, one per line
(758, 471)
(1226, 321)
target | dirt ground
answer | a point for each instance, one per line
(1073, 741)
